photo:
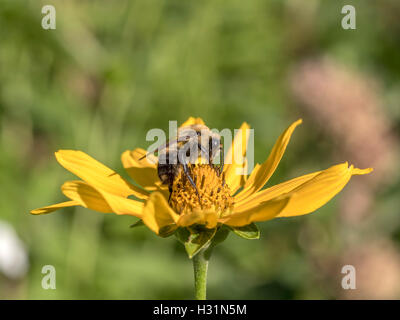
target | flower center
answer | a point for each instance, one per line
(213, 192)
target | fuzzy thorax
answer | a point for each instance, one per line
(213, 192)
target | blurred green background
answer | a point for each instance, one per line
(113, 70)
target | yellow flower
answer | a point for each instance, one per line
(230, 199)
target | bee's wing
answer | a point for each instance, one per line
(160, 148)
(187, 133)
(169, 144)
(184, 135)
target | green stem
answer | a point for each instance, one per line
(200, 266)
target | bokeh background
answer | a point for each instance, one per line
(113, 70)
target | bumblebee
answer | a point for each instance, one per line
(177, 153)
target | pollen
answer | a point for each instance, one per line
(213, 192)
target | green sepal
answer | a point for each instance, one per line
(249, 232)
(167, 231)
(138, 223)
(182, 234)
(164, 232)
(195, 239)
(220, 236)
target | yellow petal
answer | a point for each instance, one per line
(192, 120)
(143, 171)
(234, 170)
(262, 212)
(135, 158)
(97, 175)
(121, 205)
(317, 191)
(101, 201)
(87, 196)
(208, 218)
(262, 173)
(55, 207)
(157, 213)
(357, 171)
(267, 194)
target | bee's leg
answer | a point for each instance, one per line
(182, 161)
(216, 169)
(170, 193)
(204, 151)
(222, 160)
(222, 156)
(185, 169)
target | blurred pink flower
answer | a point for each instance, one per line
(348, 107)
